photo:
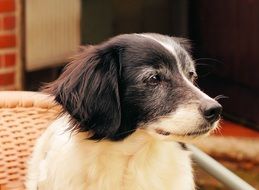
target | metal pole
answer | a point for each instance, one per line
(218, 171)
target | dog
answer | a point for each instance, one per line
(129, 104)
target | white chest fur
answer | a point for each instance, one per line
(62, 161)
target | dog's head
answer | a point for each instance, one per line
(135, 81)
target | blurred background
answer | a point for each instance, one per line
(37, 38)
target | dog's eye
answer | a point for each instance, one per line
(154, 79)
(192, 76)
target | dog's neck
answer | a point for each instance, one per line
(127, 146)
(138, 141)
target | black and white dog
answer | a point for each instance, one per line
(127, 103)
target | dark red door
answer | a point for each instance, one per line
(228, 31)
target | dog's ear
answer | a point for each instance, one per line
(185, 43)
(88, 90)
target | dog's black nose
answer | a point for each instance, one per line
(211, 111)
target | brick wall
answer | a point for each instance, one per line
(9, 45)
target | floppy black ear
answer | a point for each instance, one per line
(88, 90)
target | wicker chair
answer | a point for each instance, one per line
(23, 117)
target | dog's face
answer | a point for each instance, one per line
(135, 81)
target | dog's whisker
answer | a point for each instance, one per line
(202, 64)
(217, 130)
(220, 97)
(209, 59)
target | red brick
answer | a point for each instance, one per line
(9, 22)
(1, 61)
(7, 79)
(7, 40)
(9, 60)
(1, 22)
(7, 5)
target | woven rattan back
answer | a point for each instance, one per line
(23, 117)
